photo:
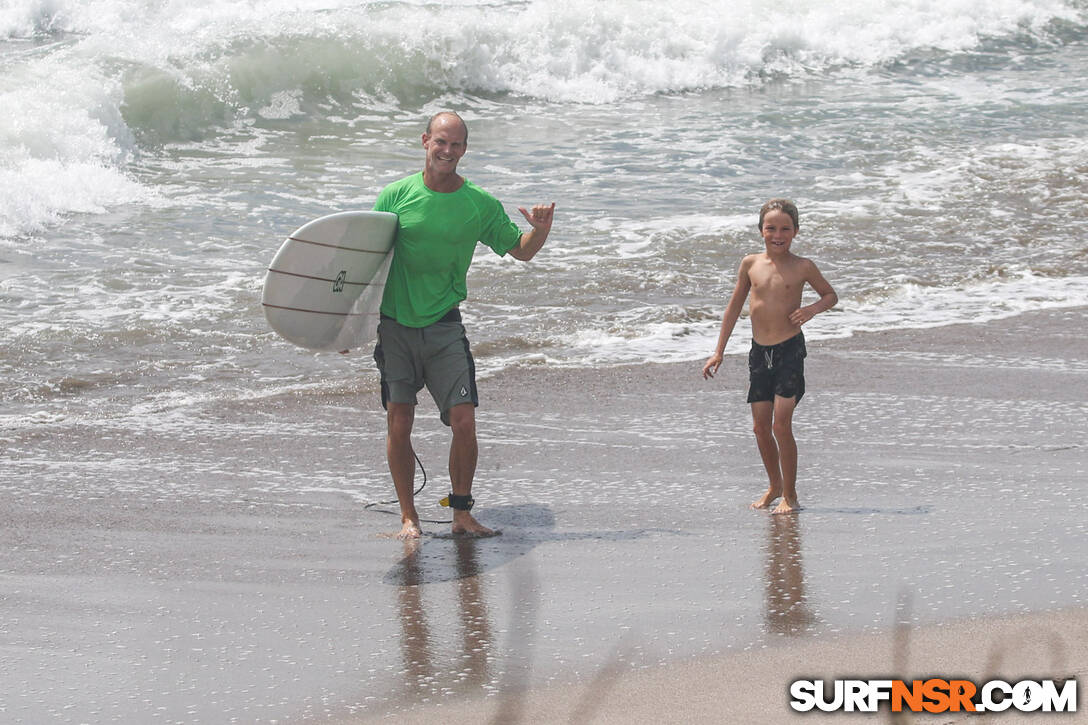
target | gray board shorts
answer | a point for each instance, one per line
(436, 356)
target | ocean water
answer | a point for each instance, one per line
(154, 155)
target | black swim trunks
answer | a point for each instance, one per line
(777, 370)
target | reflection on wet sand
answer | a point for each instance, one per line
(786, 610)
(448, 643)
(470, 669)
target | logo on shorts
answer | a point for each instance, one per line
(338, 283)
(464, 392)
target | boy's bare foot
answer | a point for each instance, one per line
(410, 530)
(766, 499)
(465, 525)
(785, 506)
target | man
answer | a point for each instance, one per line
(421, 340)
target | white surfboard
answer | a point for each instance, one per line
(324, 286)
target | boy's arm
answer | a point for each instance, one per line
(729, 319)
(827, 300)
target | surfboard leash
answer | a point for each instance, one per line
(370, 506)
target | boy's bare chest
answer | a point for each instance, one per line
(769, 280)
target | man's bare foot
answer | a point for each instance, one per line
(465, 525)
(766, 499)
(410, 530)
(786, 506)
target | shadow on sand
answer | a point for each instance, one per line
(443, 557)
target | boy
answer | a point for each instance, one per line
(776, 363)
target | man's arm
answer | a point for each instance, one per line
(531, 241)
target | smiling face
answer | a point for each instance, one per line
(778, 230)
(445, 141)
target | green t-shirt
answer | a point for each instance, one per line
(436, 238)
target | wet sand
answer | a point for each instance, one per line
(752, 687)
(228, 570)
(990, 415)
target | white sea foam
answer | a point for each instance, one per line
(661, 334)
(125, 70)
(63, 149)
